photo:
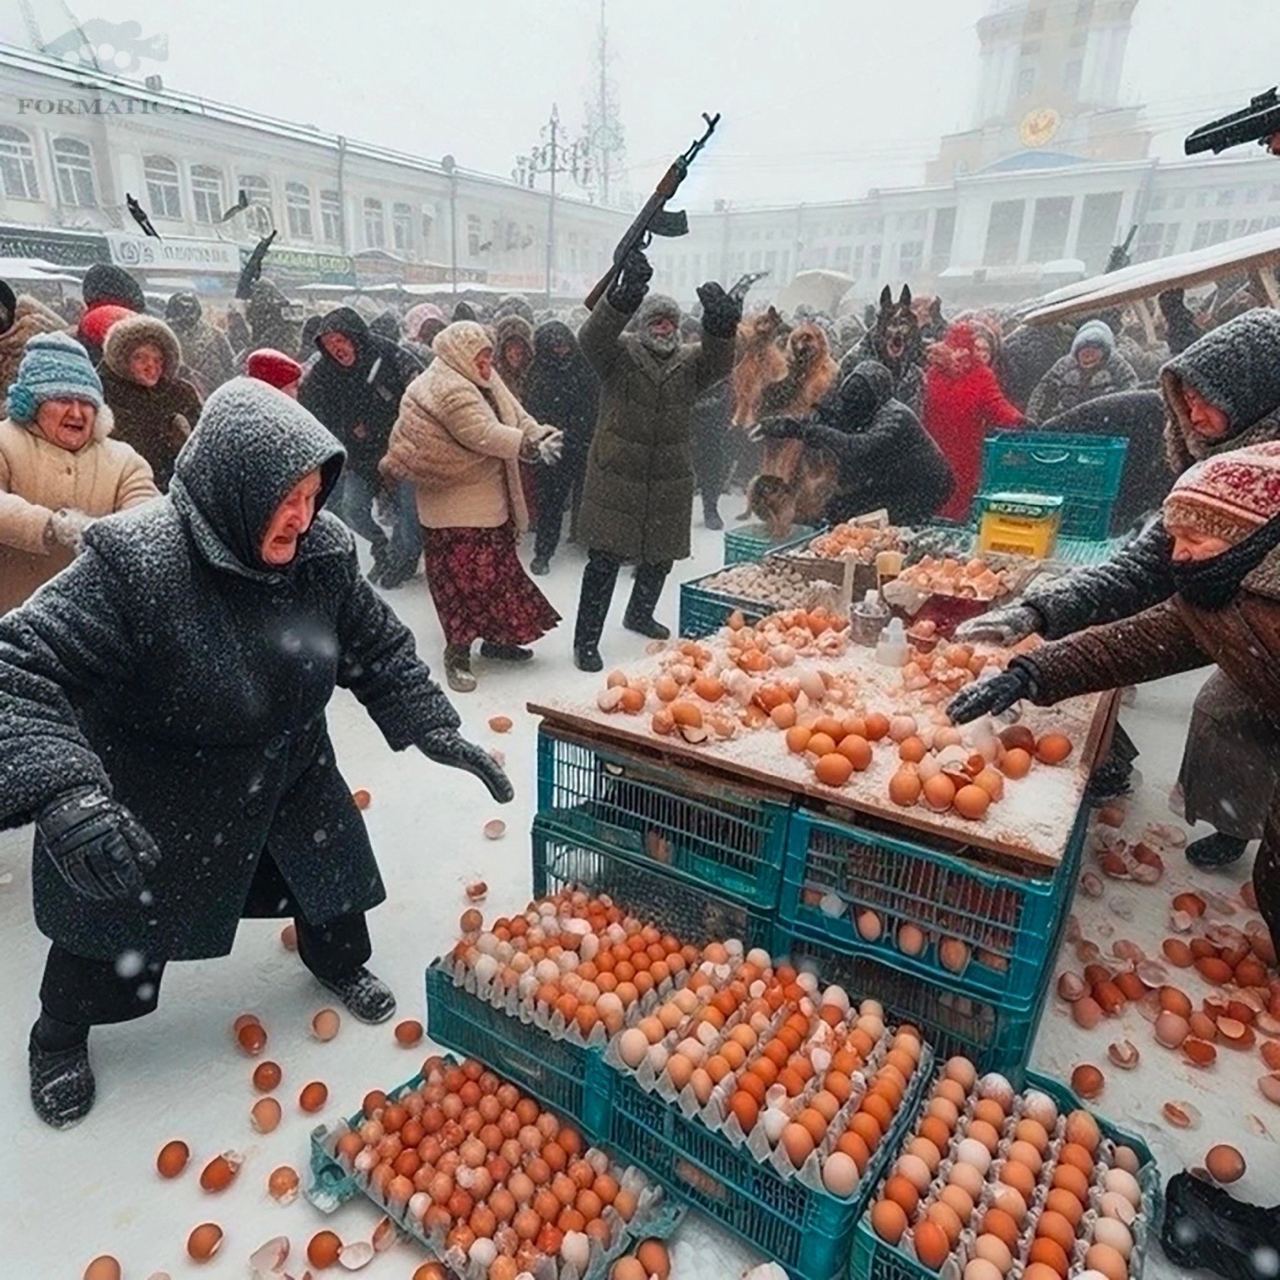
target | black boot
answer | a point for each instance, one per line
(1211, 853)
(457, 668)
(367, 998)
(644, 598)
(586, 657)
(504, 652)
(540, 567)
(711, 516)
(62, 1083)
(1203, 1227)
(379, 566)
(394, 576)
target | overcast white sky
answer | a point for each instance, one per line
(821, 99)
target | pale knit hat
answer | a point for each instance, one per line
(54, 367)
(458, 345)
(1230, 495)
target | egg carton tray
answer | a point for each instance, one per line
(754, 542)
(875, 1259)
(331, 1185)
(786, 1214)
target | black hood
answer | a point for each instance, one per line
(877, 379)
(386, 324)
(348, 322)
(252, 445)
(554, 333)
(183, 311)
(104, 282)
(8, 306)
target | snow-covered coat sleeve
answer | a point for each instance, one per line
(379, 664)
(1137, 578)
(70, 636)
(136, 485)
(470, 420)
(996, 409)
(601, 337)
(1156, 643)
(1044, 399)
(715, 360)
(1123, 375)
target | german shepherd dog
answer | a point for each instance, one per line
(895, 336)
(760, 363)
(796, 481)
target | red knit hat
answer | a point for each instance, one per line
(274, 367)
(1230, 495)
(97, 320)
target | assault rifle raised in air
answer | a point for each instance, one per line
(1258, 122)
(655, 219)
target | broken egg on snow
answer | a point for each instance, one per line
(270, 1257)
(495, 829)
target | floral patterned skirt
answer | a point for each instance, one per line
(480, 588)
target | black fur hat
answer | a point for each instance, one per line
(104, 282)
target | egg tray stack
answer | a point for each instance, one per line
(918, 897)
(753, 589)
(1108, 1199)
(742, 1180)
(334, 1182)
(754, 541)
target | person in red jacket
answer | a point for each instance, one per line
(962, 398)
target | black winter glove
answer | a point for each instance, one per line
(993, 695)
(720, 311)
(780, 429)
(628, 290)
(447, 747)
(99, 848)
(1002, 626)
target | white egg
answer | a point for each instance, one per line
(774, 1120)
(996, 1087)
(971, 1151)
(1040, 1107)
(1123, 1182)
(1116, 1234)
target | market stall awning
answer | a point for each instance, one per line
(35, 271)
(1146, 279)
(821, 290)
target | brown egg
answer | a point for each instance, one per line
(991, 1251)
(939, 792)
(959, 1200)
(205, 1240)
(972, 802)
(903, 1193)
(219, 1173)
(912, 750)
(1053, 1226)
(267, 1076)
(1108, 1260)
(948, 1219)
(1062, 1201)
(652, 1256)
(326, 1024)
(986, 1109)
(1071, 1179)
(1074, 1154)
(1015, 763)
(1087, 1081)
(1225, 1163)
(103, 1268)
(252, 1039)
(408, 1033)
(313, 1096)
(985, 1133)
(798, 1143)
(833, 770)
(264, 1115)
(282, 1184)
(999, 1224)
(904, 788)
(173, 1158)
(923, 1149)
(1049, 1253)
(888, 1220)
(1083, 1128)
(1020, 1178)
(936, 1130)
(932, 1245)
(1039, 1271)
(1053, 748)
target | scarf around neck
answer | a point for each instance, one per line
(1213, 584)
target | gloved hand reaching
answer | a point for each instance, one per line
(1002, 626)
(628, 290)
(99, 848)
(65, 528)
(448, 747)
(779, 429)
(720, 311)
(548, 450)
(992, 695)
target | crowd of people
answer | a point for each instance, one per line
(179, 579)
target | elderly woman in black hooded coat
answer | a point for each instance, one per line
(162, 722)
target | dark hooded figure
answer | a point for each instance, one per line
(637, 500)
(1222, 393)
(463, 311)
(386, 324)
(205, 350)
(886, 458)
(354, 388)
(106, 289)
(561, 390)
(21, 318)
(162, 721)
(272, 322)
(238, 334)
(307, 347)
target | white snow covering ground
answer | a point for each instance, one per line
(70, 1196)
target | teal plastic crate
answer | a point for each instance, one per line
(703, 612)
(330, 1186)
(553, 1071)
(1072, 466)
(694, 913)
(753, 542)
(997, 1036)
(1006, 919)
(729, 837)
(1086, 552)
(809, 1232)
(873, 1259)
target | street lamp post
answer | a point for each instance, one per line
(449, 165)
(553, 157)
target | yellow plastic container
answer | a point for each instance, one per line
(1020, 524)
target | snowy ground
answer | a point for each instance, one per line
(69, 1196)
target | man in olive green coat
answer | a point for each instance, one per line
(637, 503)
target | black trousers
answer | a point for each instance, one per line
(710, 458)
(558, 487)
(81, 991)
(598, 581)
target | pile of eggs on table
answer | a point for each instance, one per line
(1000, 1183)
(579, 961)
(809, 1079)
(494, 1180)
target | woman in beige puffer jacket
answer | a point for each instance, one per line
(460, 438)
(59, 468)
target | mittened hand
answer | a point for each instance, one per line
(448, 748)
(1002, 626)
(66, 529)
(627, 292)
(990, 696)
(720, 310)
(551, 448)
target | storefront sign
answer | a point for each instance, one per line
(308, 266)
(210, 257)
(66, 249)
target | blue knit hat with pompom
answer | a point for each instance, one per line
(54, 367)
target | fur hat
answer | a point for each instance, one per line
(183, 310)
(1094, 333)
(126, 336)
(106, 283)
(657, 306)
(54, 367)
(273, 367)
(1230, 495)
